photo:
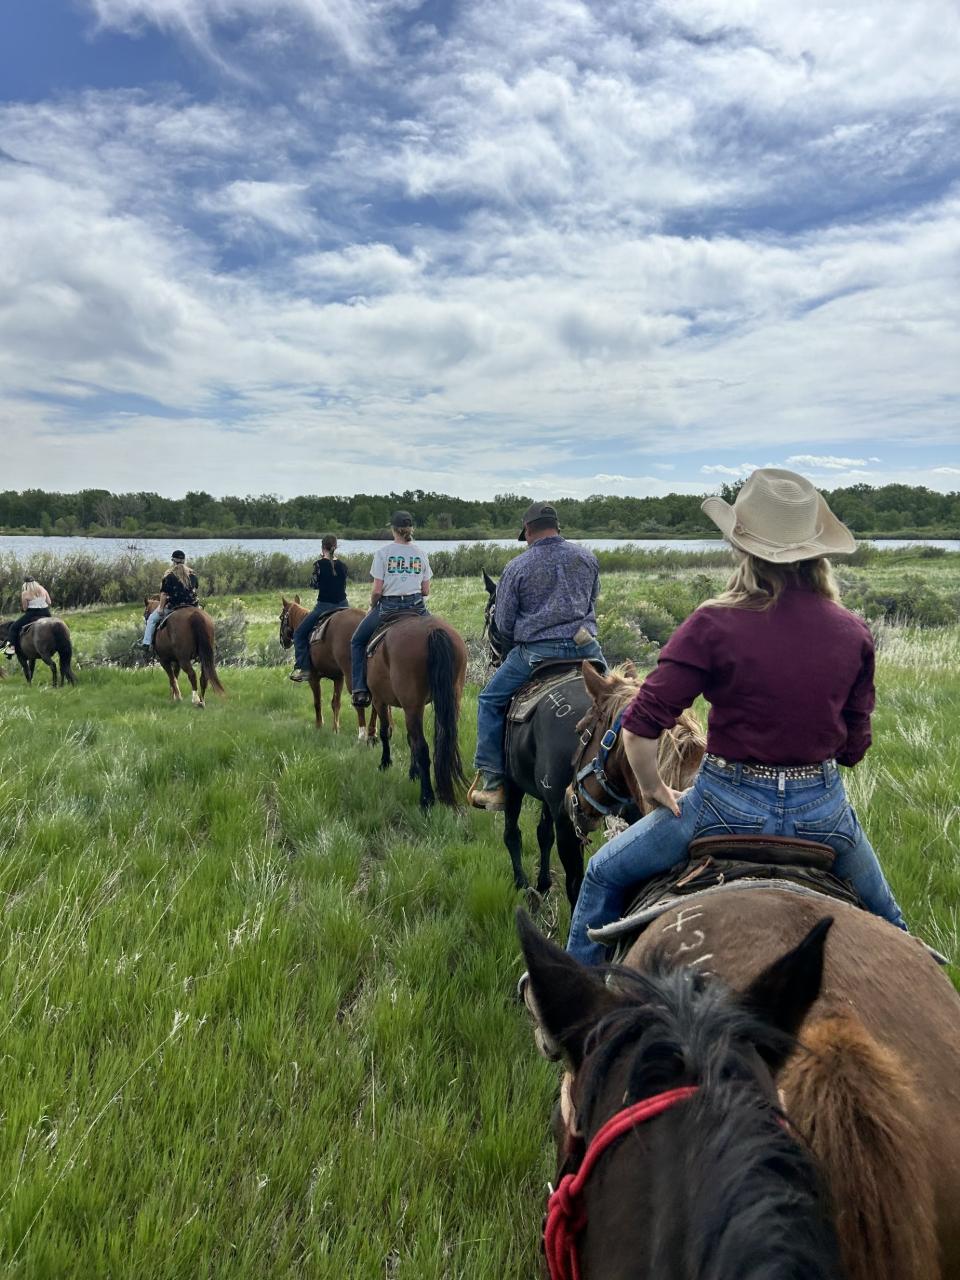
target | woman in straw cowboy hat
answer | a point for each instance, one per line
(788, 673)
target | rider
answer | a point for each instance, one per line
(545, 610)
(788, 673)
(330, 580)
(401, 582)
(177, 591)
(35, 603)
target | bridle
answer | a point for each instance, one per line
(596, 769)
(495, 642)
(566, 1215)
(286, 630)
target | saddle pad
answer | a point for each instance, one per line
(316, 635)
(529, 696)
(376, 640)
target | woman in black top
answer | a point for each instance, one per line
(330, 580)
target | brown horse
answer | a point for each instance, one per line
(422, 659)
(186, 637)
(874, 1085)
(329, 659)
(46, 639)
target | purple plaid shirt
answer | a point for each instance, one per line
(548, 592)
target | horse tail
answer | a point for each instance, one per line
(447, 764)
(855, 1103)
(203, 639)
(64, 652)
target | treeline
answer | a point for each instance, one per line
(890, 509)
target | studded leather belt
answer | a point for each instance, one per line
(770, 770)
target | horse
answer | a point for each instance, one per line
(606, 783)
(422, 659)
(187, 636)
(874, 1084)
(677, 1159)
(329, 658)
(540, 765)
(46, 639)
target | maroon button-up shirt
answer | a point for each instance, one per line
(792, 684)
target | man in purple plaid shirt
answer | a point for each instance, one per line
(545, 608)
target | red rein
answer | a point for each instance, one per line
(566, 1216)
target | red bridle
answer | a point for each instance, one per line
(566, 1216)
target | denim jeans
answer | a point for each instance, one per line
(301, 637)
(517, 668)
(724, 802)
(388, 606)
(152, 623)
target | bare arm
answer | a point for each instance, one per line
(425, 588)
(642, 755)
(376, 592)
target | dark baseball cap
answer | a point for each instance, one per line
(541, 515)
(178, 555)
(401, 520)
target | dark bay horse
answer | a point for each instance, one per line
(540, 764)
(874, 1086)
(676, 1161)
(46, 639)
(422, 659)
(329, 659)
(186, 637)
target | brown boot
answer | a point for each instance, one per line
(492, 798)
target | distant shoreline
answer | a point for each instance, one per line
(431, 535)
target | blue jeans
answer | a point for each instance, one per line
(518, 666)
(152, 623)
(723, 802)
(388, 606)
(301, 637)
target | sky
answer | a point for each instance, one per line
(478, 246)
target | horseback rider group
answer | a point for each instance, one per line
(178, 590)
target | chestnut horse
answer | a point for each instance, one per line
(422, 659)
(187, 636)
(329, 659)
(46, 639)
(676, 1160)
(874, 1086)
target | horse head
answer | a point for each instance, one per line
(149, 604)
(603, 782)
(495, 642)
(287, 627)
(671, 1084)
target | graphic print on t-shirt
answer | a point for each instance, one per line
(402, 569)
(400, 562)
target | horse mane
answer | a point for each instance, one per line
(686, 735)
(747, 1199)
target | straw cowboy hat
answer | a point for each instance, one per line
(780, 516)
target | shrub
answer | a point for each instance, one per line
(621, 639)
(122, 647)
(231, 636)
(656, 622)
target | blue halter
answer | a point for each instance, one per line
(597, 768)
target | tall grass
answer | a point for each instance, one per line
(257, 1007)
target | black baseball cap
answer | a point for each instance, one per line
(179, 555)
(401, 520)
(541, 515)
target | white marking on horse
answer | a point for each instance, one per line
(545, 783)
(695, 939)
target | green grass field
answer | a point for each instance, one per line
(258, 1008)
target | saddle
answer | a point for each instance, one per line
(548, 679)
(316, 635)
(376, 640)
(174, 608)
(722, 864)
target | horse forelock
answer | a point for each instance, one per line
(737, 1195)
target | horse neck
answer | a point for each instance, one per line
(295, 613)
(712, 1188)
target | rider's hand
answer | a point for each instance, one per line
(663, 797)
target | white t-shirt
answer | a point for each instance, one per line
(402, 566)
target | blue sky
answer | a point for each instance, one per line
(536, 245)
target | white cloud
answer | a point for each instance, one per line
(738, 472)
(827, 462)
(280, 206)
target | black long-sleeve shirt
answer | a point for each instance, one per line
(330, 579)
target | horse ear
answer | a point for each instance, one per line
(296, 599)
(489, 583)
(595, 681)
(783, 994)
(570, 998)
(630, 669)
